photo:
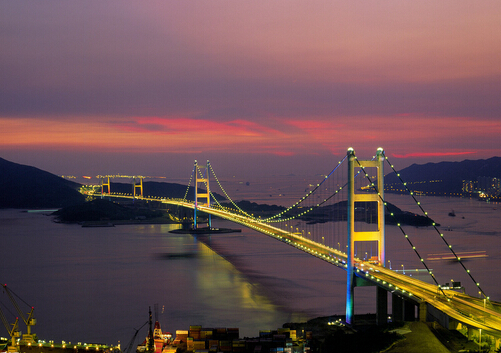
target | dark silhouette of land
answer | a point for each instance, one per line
(23, 186)
(444, 178)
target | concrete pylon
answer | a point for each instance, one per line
(103, 184)
(353, 236)
(204, 196)
(138, 186)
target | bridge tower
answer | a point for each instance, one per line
(361, 236)
(137, 186)
(202, 177)
(103, 184)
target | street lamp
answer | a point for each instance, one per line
(389, 263)
(403, 269)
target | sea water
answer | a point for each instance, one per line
(96, 284)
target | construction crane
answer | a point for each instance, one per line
(13, 332)
(29, 321)
(128, 348)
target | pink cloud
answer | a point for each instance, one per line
(431, 154)
(180, 125)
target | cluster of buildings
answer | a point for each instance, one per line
(483, 187)
(199, 339)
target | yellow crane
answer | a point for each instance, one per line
(29, 321)
(13, 332)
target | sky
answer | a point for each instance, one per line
(257, 87)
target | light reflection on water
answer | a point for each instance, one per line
(96, 284)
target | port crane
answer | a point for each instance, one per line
(29, 321)
(13, 332)
(128, 348)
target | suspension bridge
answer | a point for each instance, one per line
(350, 198)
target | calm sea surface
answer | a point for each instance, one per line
(96, 284)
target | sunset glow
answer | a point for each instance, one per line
(280, 83)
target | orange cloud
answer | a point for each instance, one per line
(178, 134)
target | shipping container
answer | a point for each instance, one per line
(233, 333)
(265, 333)
(206, 333)
(199, 345)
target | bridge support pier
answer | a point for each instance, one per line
(409, 311)
(403, 309)
(397, 308)
(381, 306)
(423, 310)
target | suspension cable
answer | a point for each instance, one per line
(306, 196)
(313, 207)
(437, 230)
(226, 195)
(189, 184)
(373, 185)
(215, 199)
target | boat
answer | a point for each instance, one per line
(156, 339)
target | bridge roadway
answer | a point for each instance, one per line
(471, 311)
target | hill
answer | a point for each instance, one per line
(445, 178)
(23, 186)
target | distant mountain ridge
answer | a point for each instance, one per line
(23, 186)
(444, 177)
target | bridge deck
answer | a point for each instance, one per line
(466, 309)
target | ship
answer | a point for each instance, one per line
(156, 340)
